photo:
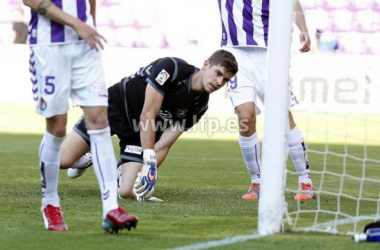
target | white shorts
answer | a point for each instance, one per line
(67, 70)
(249, 82)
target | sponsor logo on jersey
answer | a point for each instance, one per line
(133, 149)
(165, 115)
(43, 104)
(98, 87)
(181, 113)
(162, 77)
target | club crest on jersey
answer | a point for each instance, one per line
(133, 149)
(181, 113)
(162, 77)
(43, 104)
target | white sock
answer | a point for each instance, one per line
(104, 162)
(297, 150)
(82, 162)
(250, 148)
(49, 166)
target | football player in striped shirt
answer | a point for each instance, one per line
(65, 61)
(149, 111)
(245, 34)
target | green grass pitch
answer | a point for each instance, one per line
(202, 182)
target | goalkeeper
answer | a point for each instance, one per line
(148, 111)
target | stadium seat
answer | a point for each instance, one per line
(342, 20)
(309, 4)
(129, 23)
(376, 6)
(363, 21)
(324, 18)
(334, 5)
(362, 5)
(375, 43)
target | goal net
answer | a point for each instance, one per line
(338, 89)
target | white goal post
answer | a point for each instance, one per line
(338, 87)
(271, 202)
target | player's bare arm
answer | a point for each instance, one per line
(93, 10)
(146, 180)
(301, 24)
(43, 7)
(48, 9)
(152, 105)
(167, 139)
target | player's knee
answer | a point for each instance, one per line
(247, 122)
(125, 193)
(97, 122)
(292, 123)
(246, 114)
(56, 125)
(96, 117)
(247, 119)
(101, 122)
(65, 163)
(58, 132)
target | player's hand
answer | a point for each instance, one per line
(90, 35)
(305, 41)
(147, 178)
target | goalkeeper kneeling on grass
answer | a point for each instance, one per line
(148, 111)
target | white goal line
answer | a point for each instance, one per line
(218, 243)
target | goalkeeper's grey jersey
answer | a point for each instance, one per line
(171, 77)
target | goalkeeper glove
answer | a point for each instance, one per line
(146, 179)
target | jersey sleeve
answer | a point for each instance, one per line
(162, 74)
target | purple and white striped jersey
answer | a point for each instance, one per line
(244, 23)
(43, 31)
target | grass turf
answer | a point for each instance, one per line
(201, 183)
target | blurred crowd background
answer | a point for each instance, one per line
(345, 26)
(338, 26)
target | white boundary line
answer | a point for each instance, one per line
(218, 243)
(255, 235)
(327, 225)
